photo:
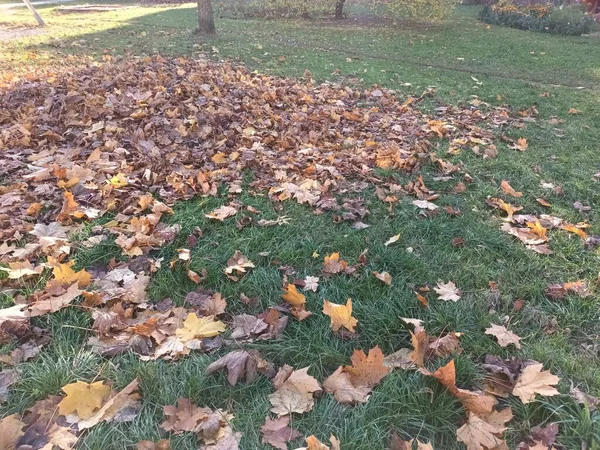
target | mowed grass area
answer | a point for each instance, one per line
(511, 67)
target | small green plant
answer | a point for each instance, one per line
(567, 20)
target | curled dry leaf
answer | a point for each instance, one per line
(222, 213)
(508, 189)
(447, 291)
(385, 277)
(424, 204)
(340, 315)
(504, 336)
(297, 301)
(392, 240)
(314, 444)
(126, 399)
(242, 363)
(237, 266)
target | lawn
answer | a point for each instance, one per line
(465, 62)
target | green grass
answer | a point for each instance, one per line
(514, 68)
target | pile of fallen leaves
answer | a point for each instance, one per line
(128, 139)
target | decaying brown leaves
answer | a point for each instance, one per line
(277, 432)
(242, 363)
(534, 380)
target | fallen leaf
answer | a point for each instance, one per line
(125, 399)
(535, 381)
(241, 363)
(422, 300)
(477, 434)
(222, 213)
(543, 202)
(293, 297)
(367, 370)
(294, 392)
(314, 444)
(198, 328)
(340, 315)
(584, 399)
(50, 304)
(311, 284)
(163, 444)
(507, 189)
(83, 398)
(447, 291)
(424, 204)
(277, 432)
(391, 240)
(504, 336)
(385, 277)
(340, 385)
(12, 429)
(333, 264)
(237, 265)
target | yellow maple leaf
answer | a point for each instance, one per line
(293, 297)
(83, 398)
(64, 273)
(340, 315)
(195, 327)
(537, 228)
(118, 181)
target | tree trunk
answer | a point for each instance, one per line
(339, 9)
(206, 21)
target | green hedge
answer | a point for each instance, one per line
(568, 20)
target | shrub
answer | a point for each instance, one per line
(568, 20)
(273, 8)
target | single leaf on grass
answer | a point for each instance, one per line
(543, 202)
(384, 277)
(340, 315)
(508, 189)
(240, 363)
(297, 301)
(504, 336)
(198, 328)
(573, 229)
(367, 370)
(184, 417)
(333, 264)
(127, 398)
(311, 284)
(222, 213)
(8, 377)
(340, 385)
(447, 291)
(534, 381)
(294, 392)
(477, 434)
(538, 229)
(392, 240)
(559, 291)
(277, 432)
(422, 299)
(424, 204)
(83, 398)
(237, 266)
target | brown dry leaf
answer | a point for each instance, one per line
(340, 385)
(385, 277)
(222, 213)
(195, 327)
(237, 266)
(422, 300)
(397, 443)
(242, 363)
(83, 398)
(8, 377)
(559, 291)
(424, 204)
(445, 375)
(340, 315)
(127, 398)
(538, 229)
(543, 202)
(401, 359)
(11, 429)
(367, 370)
(520, 145)
(477, 434)
(508, 189)
(504, 336)
(163, 444)
(206, 303)
(584, 399)
(277, 432)
(535, 381)
(17, 270)
(333, 264)
(50, 304)
(294, 391)
(447, 291)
